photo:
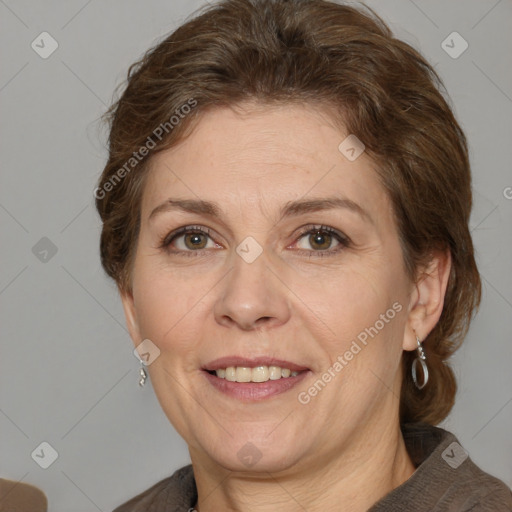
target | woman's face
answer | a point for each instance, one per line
(291, 260)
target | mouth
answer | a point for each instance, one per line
(253, 379)
(256, 374)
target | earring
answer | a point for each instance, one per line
(142, 375)
(421, 359)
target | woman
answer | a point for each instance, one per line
(285, 212)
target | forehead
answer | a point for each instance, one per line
(262, 157)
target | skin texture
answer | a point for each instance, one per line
(343, 449)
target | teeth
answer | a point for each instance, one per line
(243, 374)
(274, 372)
(260, 374)
(257, 374)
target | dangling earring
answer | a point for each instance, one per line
(421, 359)
(142, 375)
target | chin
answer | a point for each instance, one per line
(250, 459)
(257, 454)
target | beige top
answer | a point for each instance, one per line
(446, 480)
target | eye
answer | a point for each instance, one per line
(188, 239)
(322, 239)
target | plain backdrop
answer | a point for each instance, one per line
(68, 376)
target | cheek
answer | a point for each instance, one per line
(165, 303)
(357, 306)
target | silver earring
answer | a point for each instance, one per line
(421, 359)
(142, 375)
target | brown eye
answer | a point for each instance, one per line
(195, 241)
(188, 240)
(320, 240)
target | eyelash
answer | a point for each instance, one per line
(343, 240)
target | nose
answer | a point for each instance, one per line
(252, 297)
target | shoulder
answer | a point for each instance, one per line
(176, 493)
(480, 491)
(477, 490)
(446, 479)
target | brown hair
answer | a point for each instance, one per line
(310, 51)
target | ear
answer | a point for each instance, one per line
(131, 316)
(427, 299)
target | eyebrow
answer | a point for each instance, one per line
(290, 209)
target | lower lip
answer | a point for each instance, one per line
(255, 391)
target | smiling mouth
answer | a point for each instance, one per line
(269, 381)
(253, 379)
(257, 374)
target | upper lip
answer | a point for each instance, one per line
(225, 362)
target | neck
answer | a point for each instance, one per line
(375, 463)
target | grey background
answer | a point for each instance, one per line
(68, 375)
